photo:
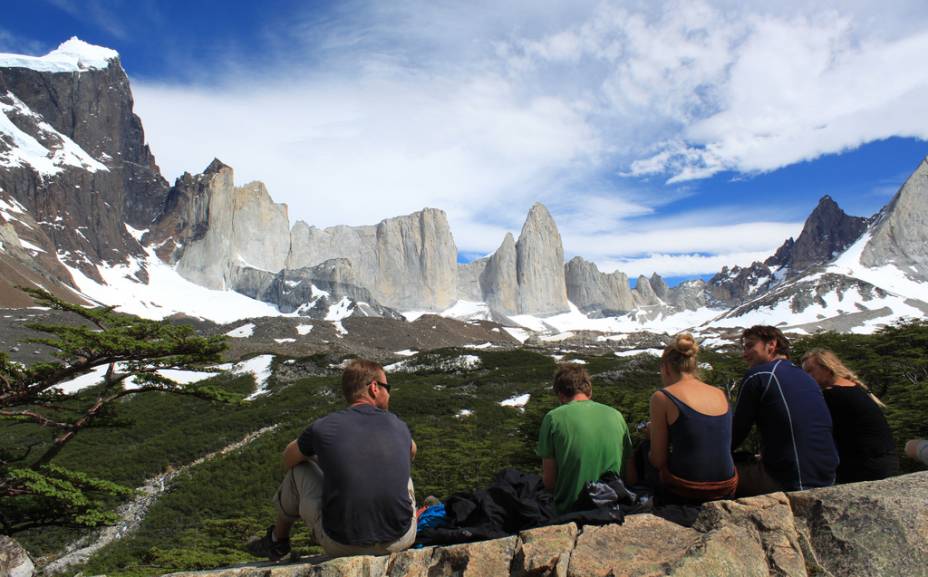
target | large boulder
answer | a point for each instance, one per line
(14, 561)
(863, 529)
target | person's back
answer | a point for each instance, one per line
(355, 446)
(579, 440)
(862, 436)
(586, 439)
(700, 433)
(689, 436)
(797, 448)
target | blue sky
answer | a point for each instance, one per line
(671, 137)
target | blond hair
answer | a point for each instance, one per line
(829, 361)
(680, 355)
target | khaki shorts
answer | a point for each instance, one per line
(300, 497)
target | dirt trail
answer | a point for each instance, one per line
(132, 513)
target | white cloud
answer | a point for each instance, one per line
(380, 109)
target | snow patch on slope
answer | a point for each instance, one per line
(887, 277)
(25, 149)
(167, 293)
(95, 377)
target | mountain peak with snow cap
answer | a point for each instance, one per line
(72, 55)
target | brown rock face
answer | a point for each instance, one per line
(827, 232)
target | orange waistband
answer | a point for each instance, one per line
(708, 490)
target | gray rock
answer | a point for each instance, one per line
(309, 291)
(407, 262)
(735, 286)
(644, 294)
(688, 295)
(469, 279)
(217, 227)
(900, 235)
(595, 292)
(540, 265)
(14, 561)
(659, 286)
(878, 528)
(499, 281)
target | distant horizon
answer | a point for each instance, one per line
(672, 138)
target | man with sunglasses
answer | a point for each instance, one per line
(349, 476)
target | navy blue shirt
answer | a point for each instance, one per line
(364, 453)
(787, 405)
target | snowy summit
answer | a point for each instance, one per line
(73, 55)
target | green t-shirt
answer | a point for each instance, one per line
(586, 439)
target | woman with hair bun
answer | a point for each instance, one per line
(862, 435)
(690, 429)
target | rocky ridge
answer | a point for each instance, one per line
(82, 203)
(74, 160)
(877, 528)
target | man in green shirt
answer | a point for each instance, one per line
(579, 440)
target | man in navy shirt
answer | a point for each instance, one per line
(786, 404)
(348, 476)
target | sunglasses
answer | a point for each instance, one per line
(384, 385)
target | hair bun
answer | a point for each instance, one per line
(685, 344)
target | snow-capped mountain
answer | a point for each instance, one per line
(85, 212)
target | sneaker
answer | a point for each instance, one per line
(267, 547)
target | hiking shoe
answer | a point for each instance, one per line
(267, 547)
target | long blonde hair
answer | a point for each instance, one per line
(830, 362)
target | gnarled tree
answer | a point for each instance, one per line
(33, 491)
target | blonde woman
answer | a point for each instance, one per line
(690, 429)
(862, 435)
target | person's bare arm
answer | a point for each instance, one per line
(412, 451)
(659, 433)
(549, 473)
(293, 456)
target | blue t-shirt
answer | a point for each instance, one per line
(787, 405)
(364, 454)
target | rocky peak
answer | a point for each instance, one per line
(732, 287)
(660, 287)
(597, 293)
(215, 228)
(900, 234)
(540, 264)
(499, 282)
(827, 232)
(92, 172)
(644, 292)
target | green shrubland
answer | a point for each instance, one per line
(210, 510)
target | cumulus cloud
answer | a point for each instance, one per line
(379, 109)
